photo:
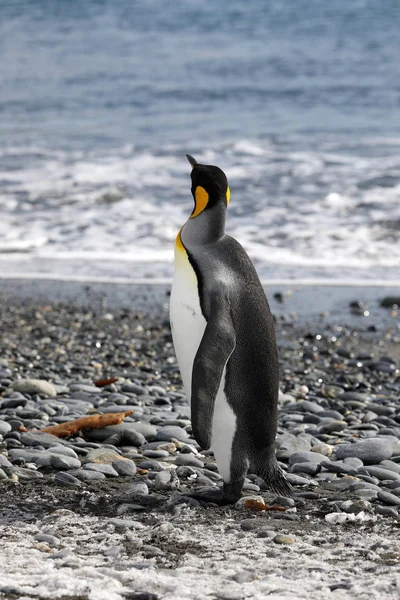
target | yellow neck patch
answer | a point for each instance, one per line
(228, 196)
(201, 198)
(178, 242)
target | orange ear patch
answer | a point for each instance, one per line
(201, 198)
(228, 196)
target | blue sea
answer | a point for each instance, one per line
(298, 101)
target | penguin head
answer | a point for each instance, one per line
(209, 187)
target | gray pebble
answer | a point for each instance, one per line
(155, 453)
(125, 468)
(162, 480)
(171, 432)
(386, 511)
(63, 450)
(133, 388)
(388, 498)
(123, 524)
(189, 460)
(308, 468)
(150, 465)
(66, 479)
(381, 474)
(371, 451)
(4, 427)
(284, 501)
(139, 488)
(39, 438)
(297, 480)
(85, 475)
(338, 466)
(4, 462)
(333, 426)
(306, 456)
(34, 386)
(64, 462)
(2, 474)
(108, 470)
(390, 465)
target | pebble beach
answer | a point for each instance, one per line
(106, 513)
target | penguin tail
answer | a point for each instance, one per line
(278, 484)
(275, 479)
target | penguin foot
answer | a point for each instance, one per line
(209, 494)
(229, 494)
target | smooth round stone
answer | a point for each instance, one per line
(333, 427)
(170, 432)
(366, 494)
(4, 462)
(189, 460)
(283, 539)
(287, 444)
(108, 470)
(306, 456)
(4, 427)
(64, 462)
(354, 397)
(102, 455)
(308, 468)
(39, 438)
(338, 466)
(331, 414)
(309, 406)
(364, 485)
(265, 532)
(370, 451)
(137, 437)
(284, 501)
(150, 465)
(125, 467)
(381, 409)
(66, 479)
(63, 450)
(324, 449)
(139, 488)
(386, 511)
(34, 386)
(86, 475)
(390, 465)
(13, 402)
(162, 480)
(133, 388)
(381, 474)
(356, 506)
(84, 387)
(353, 462)
(156, 453)
(388, 498)
(297, 480)
(203, 480)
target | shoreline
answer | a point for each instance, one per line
(324, 301)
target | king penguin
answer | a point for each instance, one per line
(224, 339)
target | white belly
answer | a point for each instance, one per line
(188, 325)
(187, 321)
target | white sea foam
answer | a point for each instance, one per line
(316, 212)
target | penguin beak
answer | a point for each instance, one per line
(192, 160)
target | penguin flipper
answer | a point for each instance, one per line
(217, 344)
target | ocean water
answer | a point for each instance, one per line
(299, 103)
